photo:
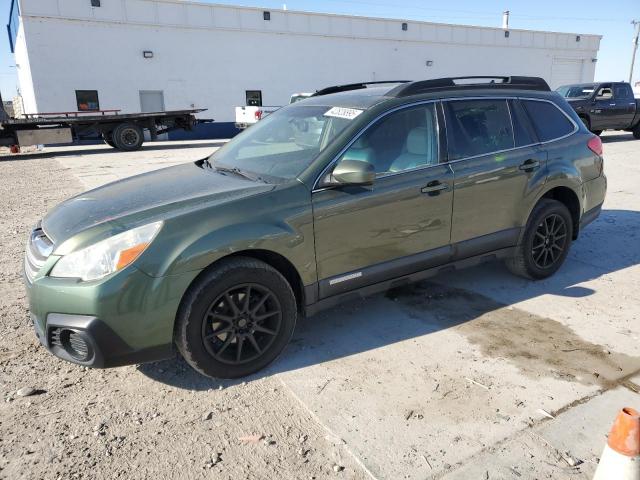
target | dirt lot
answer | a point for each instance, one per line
(473, 375)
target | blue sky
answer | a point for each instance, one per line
(612, 19)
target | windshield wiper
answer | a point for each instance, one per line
(235, 171)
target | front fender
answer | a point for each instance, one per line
(280, 221)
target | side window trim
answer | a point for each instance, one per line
(442, 128)
(372, 123)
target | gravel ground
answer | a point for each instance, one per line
(474, 375)
(151, 421)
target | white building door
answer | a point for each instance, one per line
(566, 71)
(151, 101)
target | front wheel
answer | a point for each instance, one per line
(236, 319)
(546, 241)
(636, 131)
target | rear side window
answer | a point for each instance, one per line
(622, 91)
(477, 127)
(522, 129)
(549, 122)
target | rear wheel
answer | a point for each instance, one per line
(127, 137)
(546, 241)
(236, 319)
(636, 131)
(587, 123)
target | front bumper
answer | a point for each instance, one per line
(124, 319)
(94, 343)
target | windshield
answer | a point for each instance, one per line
(284, 144)
(576, 91)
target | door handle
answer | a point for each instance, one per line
(530, 165)
(434, 188)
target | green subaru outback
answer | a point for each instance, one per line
(352, 191)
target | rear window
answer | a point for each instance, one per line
(549, 122)
(477, 127)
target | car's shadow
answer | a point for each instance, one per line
(610, 244)
(95, 149)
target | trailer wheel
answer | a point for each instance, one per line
(108, 139)
(128, 137)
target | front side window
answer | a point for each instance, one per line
(87, 100)
(401, 141)
(477, 127)
(604, 93)
(284, 143)
(549, 122)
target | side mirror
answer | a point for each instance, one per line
(353, 172)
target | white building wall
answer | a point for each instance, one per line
(25, 80)
(207, 55)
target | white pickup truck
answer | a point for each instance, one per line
(247, 116)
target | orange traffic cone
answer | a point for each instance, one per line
(621, 457)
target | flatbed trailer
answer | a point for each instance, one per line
(121, 131)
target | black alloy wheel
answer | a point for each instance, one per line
(236, 318)
(241, 323)
(550, 241)
(545, 242)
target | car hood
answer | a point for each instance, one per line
(146, 198)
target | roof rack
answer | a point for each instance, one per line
(439, 84)
(353, 86)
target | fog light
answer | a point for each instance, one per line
(74, 343)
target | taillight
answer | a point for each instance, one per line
(258, 114)
(595, 145)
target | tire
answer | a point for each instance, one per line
(636, 131)
(222, 341)
(127, 137)
(533, 253)
(108, 139)
(587, 123)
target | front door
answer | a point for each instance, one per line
(399, 225)
(602, 111)
(495, 163)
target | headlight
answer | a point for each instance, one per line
(106, 256)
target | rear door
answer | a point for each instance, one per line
(497, 164)
(399, 225)
(625, 104)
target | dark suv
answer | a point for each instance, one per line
(352, 191)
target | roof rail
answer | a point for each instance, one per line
(451, 83)
(353, 86)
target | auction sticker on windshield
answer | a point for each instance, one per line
(341, 112)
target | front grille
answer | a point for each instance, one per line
(39, 247)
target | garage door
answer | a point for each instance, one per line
(566, 71)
